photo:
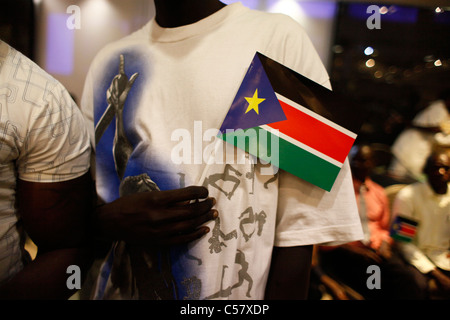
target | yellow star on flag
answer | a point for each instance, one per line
(254, 102)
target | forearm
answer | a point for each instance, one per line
(101, 239)
(99, 222)
(46, 276)
(56, 217)
(289, 273)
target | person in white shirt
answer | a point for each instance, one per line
(45, 184)
(179, 74)
(428, 203)
(429, 128)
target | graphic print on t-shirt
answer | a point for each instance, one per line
(152, 278)
(178, 272)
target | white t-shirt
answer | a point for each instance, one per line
(43, 139)
(187, 79)
(430, 246)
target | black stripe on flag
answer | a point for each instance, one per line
(329, 104)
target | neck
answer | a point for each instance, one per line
(176, 13)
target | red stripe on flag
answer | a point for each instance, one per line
(314, 133)
(407, 229)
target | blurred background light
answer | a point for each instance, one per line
(370, 63)
(368, 51)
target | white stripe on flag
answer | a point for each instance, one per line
(301, 145)
(316, 116)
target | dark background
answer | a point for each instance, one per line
(17, 24)
(410, 40)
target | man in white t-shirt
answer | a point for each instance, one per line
(430, 129)
(428, 203)
(45, 187)
(154, 101)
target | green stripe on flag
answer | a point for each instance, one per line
(399, 237)
(288, 156)
(307, 166)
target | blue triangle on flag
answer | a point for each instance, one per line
(270, 110)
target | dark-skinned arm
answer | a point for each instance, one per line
(55, 216)
(289, 273)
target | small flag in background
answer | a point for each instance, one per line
(313, 127)
(403, 229)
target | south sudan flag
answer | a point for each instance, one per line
(403, 229)
(292, 122)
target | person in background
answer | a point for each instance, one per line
(349, 263)
(428, 204)
(45, 185)
(178, 72)
(430, 128)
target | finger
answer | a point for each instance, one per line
(122, 65)
(130, 83)
(151, 234)
(180, 219)
(183, 194)
(187, 226)
(184, 203)
(186, 212)
(133, 79)
(192, 209)
(179, 223)
(188, 202)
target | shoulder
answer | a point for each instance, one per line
(275, 19)
(19, 70)
(289, 44)
(276, 26)
(411, 191)
(279, 27)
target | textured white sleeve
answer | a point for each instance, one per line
(55, 146)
